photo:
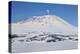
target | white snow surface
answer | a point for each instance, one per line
(19, 47)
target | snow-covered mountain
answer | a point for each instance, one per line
(48, 32)
(46, 23)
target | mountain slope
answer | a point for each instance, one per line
(46, 23)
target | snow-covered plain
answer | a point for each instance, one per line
(18, 47)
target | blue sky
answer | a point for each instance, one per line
(24, 10)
